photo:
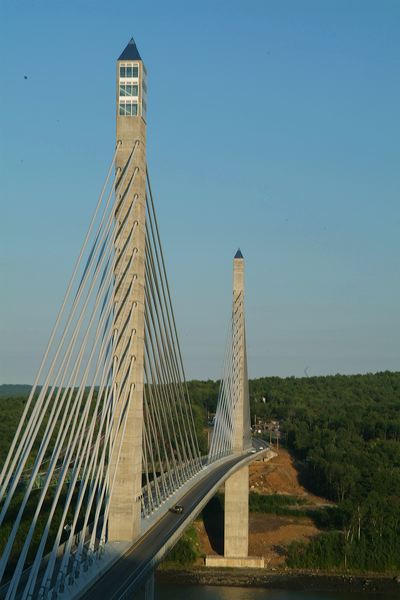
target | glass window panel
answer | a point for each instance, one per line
(128, 108)
(129, 71)
(122, 71)
(135, 72)
(127, 89)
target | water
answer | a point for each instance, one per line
(197, 592)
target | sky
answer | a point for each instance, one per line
(273, 126)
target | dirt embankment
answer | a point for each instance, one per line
(280, 476)
(268, 534)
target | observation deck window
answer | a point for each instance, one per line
(129, 71)
(128, 108)
(128, 89)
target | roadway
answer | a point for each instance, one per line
(130, 570)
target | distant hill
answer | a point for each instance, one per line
(14, 391)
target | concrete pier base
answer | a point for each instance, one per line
(250, 562)
(236, 531)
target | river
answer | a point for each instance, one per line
(195, 592)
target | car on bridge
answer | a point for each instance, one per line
(177, 509)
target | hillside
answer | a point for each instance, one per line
(343, 434)
(269, 533)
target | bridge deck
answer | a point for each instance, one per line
(132, 568)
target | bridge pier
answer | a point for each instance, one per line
(236, 526)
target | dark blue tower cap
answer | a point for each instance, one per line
(238, 254)
(131, 52)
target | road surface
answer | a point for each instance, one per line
(129, 571)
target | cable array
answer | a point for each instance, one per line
(171, 453)
(57, 480)
(231, 388)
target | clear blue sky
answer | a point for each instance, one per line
(272, 125)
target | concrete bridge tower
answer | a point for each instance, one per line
(236, 526)
(131, 97)
(236, 536)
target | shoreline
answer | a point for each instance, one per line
(288, 580)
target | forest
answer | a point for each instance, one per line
(344, 432)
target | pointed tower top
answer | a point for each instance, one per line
(238, 254)
(131, 52)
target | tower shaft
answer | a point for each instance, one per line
(128, 372)
(236, 531)
(241, 408)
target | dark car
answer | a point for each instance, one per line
(178, 509)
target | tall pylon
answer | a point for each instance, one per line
(126, 460)
(241, 407)
(236, 531)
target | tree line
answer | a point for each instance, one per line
(344, 432)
